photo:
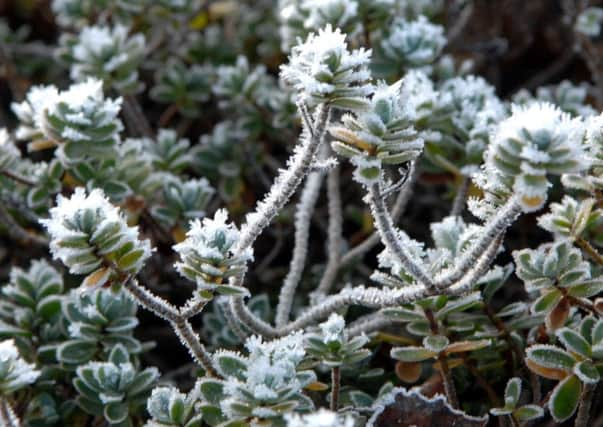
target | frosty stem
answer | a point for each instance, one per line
(7, 416)
(280, 193)
(303, 217)
(178, 320)
(586, 400)
(335, 387)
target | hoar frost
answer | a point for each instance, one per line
(323, 70)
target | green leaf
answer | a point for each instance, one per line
(528, 412)
(574, 342)
(597, 333)
(587, 372)
(550, 357)
(116, 412)
(119, 355)
(435, 343)
(412, 354)
(403, 314)
(361, 399)
(212, 415)
(177, 409)
(232, 290)
(586, 289)
(143, 381)
(546, 302)
(231, 365)
(512, 392)
(460, 304)
(76, 351)
(565, 398)
(48, 307)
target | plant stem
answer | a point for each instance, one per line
(458, 205)
(388, 234)
(445, 373)
(303, 217)
(135, 117)
(398, 209)
(586, 400)
(178, 320)
(18, 178)
(14, 230)
(7, 416)
(335, 387)
(514, 421)
(334, 240)
(590, 250)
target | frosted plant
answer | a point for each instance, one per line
(561, 277)
(28, 110)
(93, 323)
(383, 134)
(81, 121)
(80, 13)
(335, 349)
(338, 13)
(15, 372)
(262, 386)
(576, 367)
(435, 305)
(323, 70)
(451, 236)
(168, 407)
(320, 418)
(571, 218)
(184, 87)
(30, 305)
(299, 17)
(105, 53)
(183, 201)
(410, 44)
(421, 7)
(589, 21)
(518, 414)
(467, 111)
(208, 254)
(569, 97)
(534, 142)
(590, 180)
(169, 152)
(90, 236)
(114, 388)
(240, 83)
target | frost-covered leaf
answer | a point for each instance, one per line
(565, 398)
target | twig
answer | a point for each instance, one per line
(368, 297)
(399, 207)
(280, 193)
(14, 229)
(586, 400)
(178, 320)
(135, 117)
(335, 386)
(445, 373)
(385, 226)
(18, 178)
(590, 250)
(7, 416)
(303, 217)
(458, 205)
(334, 239)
